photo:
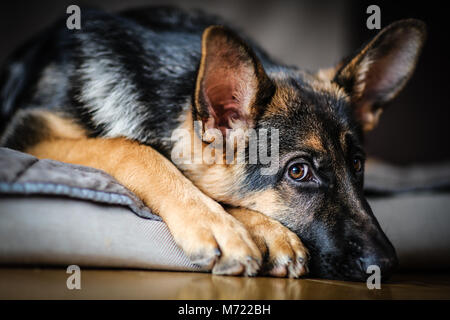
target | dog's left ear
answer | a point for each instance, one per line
(381, 69)
(232, 86)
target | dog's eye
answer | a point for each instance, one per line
(300, 172)
(357, 164)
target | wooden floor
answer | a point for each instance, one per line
(35, 283)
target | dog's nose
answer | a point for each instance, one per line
(386, 261)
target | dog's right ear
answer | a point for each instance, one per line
(232, 86)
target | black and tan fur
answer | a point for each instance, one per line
(110, 95)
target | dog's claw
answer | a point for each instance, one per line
(228, 268)
(233, 267)
(279, 271)
(204, 260)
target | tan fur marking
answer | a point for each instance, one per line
(313, 142)
(220, 181)
(327, 74)
(330, 87)
(61, 127)
(343, 141)
(267, 202)
(370, 118)
(280, 100)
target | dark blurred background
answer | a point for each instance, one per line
(310, 34)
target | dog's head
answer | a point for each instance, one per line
(317, 187)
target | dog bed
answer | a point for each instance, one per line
(52, 213)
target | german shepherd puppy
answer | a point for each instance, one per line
(111, 95)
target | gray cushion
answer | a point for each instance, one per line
(58, 231)
(418, 225)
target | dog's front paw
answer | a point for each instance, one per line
(216, 241)
(285, 255)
